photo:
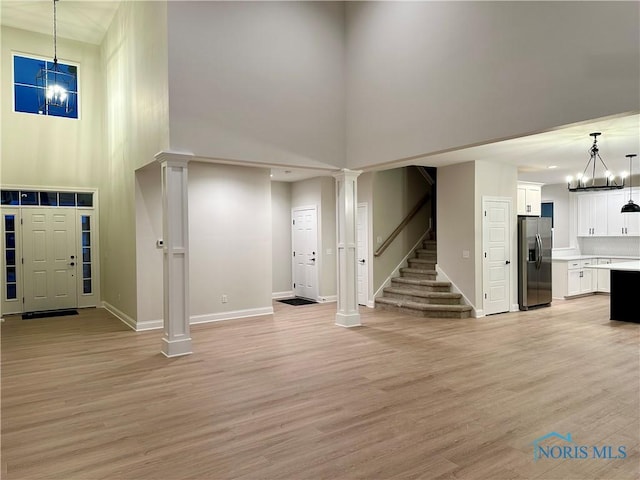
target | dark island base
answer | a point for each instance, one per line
(625, 293)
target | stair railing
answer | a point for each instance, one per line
(414, 211)
(426, 175)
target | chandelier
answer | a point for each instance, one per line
(584, 183)
(54, 80)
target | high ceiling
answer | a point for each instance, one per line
(566, 148)
(84, 21)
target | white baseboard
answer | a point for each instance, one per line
(280, 295)
(515, 307)
(403, 263)
(149, 325)
(194, 320)
(327, 299)
(442, 276)
(370, 304)
(120, 315)
(217, 317)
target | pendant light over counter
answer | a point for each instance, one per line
(630, 207)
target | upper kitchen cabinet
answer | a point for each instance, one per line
(592, 214)
(621, 224)
(529, 197)
(599, 215)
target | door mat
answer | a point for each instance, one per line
(297, 301)
(49, 313)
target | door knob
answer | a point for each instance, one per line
(507, 262)
(72, 264)
(361, 261)
(313, 259)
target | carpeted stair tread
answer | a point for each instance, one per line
(421, 282)
(423, 261)
(418, 271)
(423, 306)
(421, 293)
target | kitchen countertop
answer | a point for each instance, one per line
(633, 266)
(568, 258)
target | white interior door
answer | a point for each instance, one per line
(50, 259)
(305, 252)
(496, 255)
(362, 238)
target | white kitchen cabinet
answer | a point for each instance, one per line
(571, 278)
(573, 282)
(603, 277)
(529, 198)
(592, 214)
(620, 224)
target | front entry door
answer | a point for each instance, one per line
(496, 255)
(50, 259)
(305, 252)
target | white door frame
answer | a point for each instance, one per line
(83, 300)
(510, 242)
(318, 246)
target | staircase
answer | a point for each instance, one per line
(417, 292)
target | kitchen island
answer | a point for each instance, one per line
(625, 289)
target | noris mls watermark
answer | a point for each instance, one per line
(569, 449)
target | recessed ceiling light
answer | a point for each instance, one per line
(287, 171)
(552, 166)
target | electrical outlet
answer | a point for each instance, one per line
(224, 299)
(465, 253)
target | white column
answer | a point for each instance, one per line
(175, 228)
(346, 217)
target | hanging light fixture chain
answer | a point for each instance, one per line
(55, 35)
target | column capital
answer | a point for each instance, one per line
(174, 158)
(346, 174)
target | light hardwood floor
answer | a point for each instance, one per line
(294, 397)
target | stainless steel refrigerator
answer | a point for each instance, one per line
(534, 262)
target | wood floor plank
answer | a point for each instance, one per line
(293, 396)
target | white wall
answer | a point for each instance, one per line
(230, 239)
(281, 240)
(456, 212)
(428, 76)
(494, 179)
(394, 193)
(560, 196)
(136, 98)
(44, 151)
(258, 81)
(149, 258)
(320, 191)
